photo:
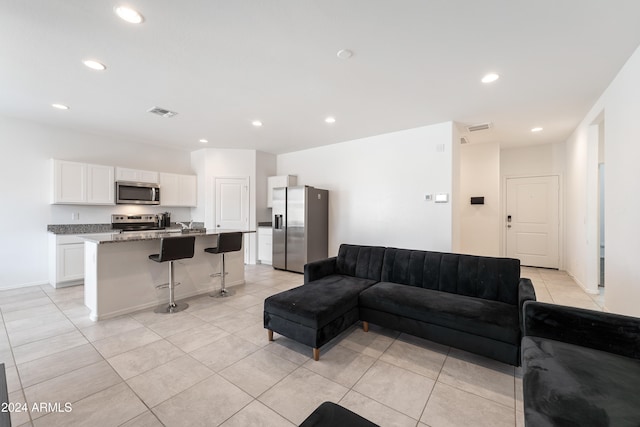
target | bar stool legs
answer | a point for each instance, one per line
(223, 292)
(173, 306)
(227, 242)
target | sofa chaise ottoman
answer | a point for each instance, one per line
(322, 308)
(580, 367)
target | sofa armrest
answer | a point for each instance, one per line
(613, 333)
(318, 269)
(526, 292)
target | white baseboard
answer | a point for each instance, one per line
(24, 285)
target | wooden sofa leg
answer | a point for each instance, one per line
(316, 354)
(270, 334)
(365, 326)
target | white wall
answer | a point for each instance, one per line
(545, 159)
(25, 185)
(377, 187)
(266, 166)
(480, 176)
(621, 106)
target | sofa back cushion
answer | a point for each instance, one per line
(364, 262)
(481, 277)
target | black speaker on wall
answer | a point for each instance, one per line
(477, 200)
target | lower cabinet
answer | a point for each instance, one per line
(265, 247)
(66, 260)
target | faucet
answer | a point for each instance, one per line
(185, 226)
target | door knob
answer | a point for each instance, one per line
(508, 225)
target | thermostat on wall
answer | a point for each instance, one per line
(442, 198)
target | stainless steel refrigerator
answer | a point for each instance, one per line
(300, 227)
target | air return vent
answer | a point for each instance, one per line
(162, 112)
(479, 127)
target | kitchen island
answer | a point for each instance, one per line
(120, 278)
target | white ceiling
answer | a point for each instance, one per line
(222, 64)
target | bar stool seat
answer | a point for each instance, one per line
(227, 242)
(173, 249)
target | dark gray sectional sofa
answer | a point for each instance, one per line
(468, 302)
(581, 367)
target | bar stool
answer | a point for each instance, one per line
(172, 249)
(227, 242)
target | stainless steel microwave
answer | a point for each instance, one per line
(137, 193)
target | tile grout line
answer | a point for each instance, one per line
(15, 366)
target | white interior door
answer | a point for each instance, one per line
(232, 203)
(533, 221)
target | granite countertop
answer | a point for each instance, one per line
(101, 238)
(100, 228)
(79, 228)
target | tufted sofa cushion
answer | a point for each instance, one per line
(364, 262)
(474, 276)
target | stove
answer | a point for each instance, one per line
(144, 222)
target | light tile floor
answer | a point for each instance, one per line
(213, 365)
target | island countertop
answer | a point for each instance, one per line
(101, 238)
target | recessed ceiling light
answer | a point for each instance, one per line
(204, 141)
(330, 120)
(256, 123)
(60, 106)
(538, 129)
(344, 54)
(94, 65)
(490, 78)
(128, 14)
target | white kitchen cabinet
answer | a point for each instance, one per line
(81, 183)
(265, 245)
(69, 182)
(277, 182)
(66, 260)
(178, 190)
(100, 185)
(136, 175)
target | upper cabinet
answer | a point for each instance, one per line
(82, 183)
(136, 175)
(178, 190)
(277, 182)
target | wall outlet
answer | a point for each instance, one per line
(428, 197)
(75, 216)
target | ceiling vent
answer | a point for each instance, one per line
(479, 127)
(464, 140)
(162, 112)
